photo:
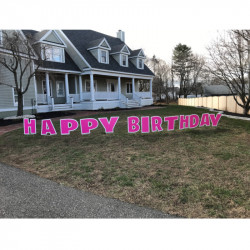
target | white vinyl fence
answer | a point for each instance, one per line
(224, 103)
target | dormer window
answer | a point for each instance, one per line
(100, 50)
(124, 60)
(53, 53)
(140, 63)
(120, 53)
(104, 56)
(137, 58)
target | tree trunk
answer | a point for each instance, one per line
(20, 104)
(246, 109)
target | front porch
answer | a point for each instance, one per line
(64, 91)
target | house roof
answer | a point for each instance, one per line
(216, 90)
(117, 48)
(68, 65)
(85, 39)
(81, 40)
(135, 52)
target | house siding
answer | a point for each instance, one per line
(6, 92)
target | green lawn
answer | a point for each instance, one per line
(201, 172)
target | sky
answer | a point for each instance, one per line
(154, 25)
(161, 45)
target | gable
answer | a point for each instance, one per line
(141, 54)
(125, 50)
(53, 38)
(104, 44)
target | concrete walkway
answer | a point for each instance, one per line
(24, 195)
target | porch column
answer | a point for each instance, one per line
(150, 87)
(133, 87)
(80, 87)
(92, 89)
(119, 87)
(47, 88)
(76, 85)
(67, 88)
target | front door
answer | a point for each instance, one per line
(129, 93)
(59, 95)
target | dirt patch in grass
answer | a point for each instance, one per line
(202, 172)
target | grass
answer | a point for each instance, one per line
(201, 172)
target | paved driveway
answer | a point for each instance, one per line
(24, 195)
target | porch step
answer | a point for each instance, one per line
(62, 107)
(133, 104)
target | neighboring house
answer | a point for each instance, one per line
(216, 90)
(192, 95)
(84, 70)
(171, 95)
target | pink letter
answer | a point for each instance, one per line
(109, 125)
(214, 120)
(184, 120)
(48, 127)
(133, 125)
(156, 122)
(88, 124)
(145, 124)
(68, 125)
(29, 126)
(171, 120)
(205, 120)
(194, 121)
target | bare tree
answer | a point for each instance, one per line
(196, 80)
(18, 59)
(162, 76)
(230, 63)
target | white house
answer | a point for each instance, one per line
(84, 70)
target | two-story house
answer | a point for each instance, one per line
(83, 70)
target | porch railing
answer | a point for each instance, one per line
(42, 99)
(143, 95)
(101, 95)
(52, 103)
(106, 95)
(137, 98)
(124, 99)
(76, 97)
(86, 95)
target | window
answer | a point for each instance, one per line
(60, 89)
(112, 87)
(140, 63)
(124, 60)
(52, 53)
(129, 87)
(15, 97)
(104, 56)
(87, 85)
(44, 88)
